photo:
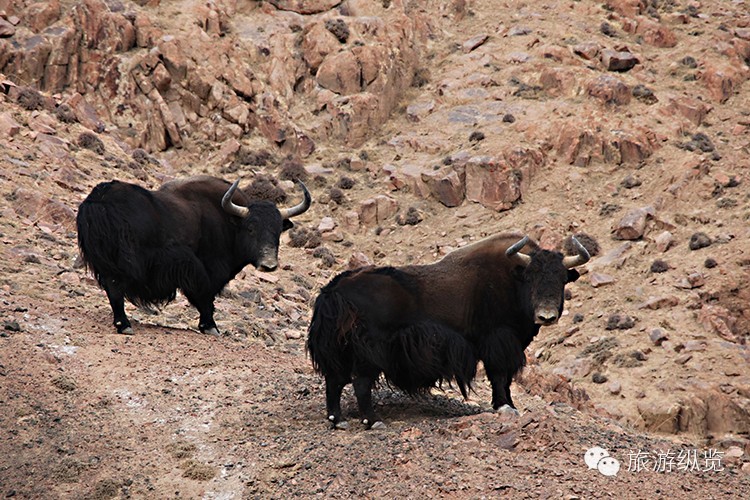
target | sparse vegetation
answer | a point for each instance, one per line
(90, 141)
(265, 187)
(292, 170)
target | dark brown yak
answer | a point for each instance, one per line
(194, 234)
(423, 325)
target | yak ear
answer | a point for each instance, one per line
(573, 275)
(286, 225)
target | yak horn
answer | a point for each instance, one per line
(583, 256)
(514, 252)
(231, 208)
(288, 213)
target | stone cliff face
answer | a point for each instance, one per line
(220, 77)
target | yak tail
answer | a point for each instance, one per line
(106, 243)
(111, 250)
(427, 354)
(328, 339)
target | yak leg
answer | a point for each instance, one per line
(363, 384)
(117, 303)
(500, 381)
(202, 300)
(334, 387)
(205, 306)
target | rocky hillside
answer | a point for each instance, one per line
(419, 127)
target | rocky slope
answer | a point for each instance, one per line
(419, 127)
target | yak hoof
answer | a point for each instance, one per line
(126, 331)
(378, 425)
(508, 410)
(343, 425)
(212, 331)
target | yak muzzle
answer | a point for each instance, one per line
(268, 262)
(268, 266)
(546, 317)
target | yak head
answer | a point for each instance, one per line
(543, 275)
(260, 226)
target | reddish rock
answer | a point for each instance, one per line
(227, 151)
(571, 368)
(660, 302)
(580, 146)
(42, 123)
(721, 81)
(7, 30)
(583, 143)
(693, 280)
(587, 50)
(628, 8)
(146, 34)
(556, 53)
(660, 415)
(368, 212)
(609, 89)
(39, 15)
(599, 279)
(695, 346)
(615, 257)
(618, 61)
(36, 206)
(474, 42)
(664, 241)
(340, 73)
(614, 387)
(718, 319)
(409, 176)
(446, 185)
(683, 359)
(85, 113)
(161, 78)
(357, 260)
(305, 7)
(387, 207)
(351, 220)
(8, 126)
(632, 225)
(370, 59)
(633, 147)
(655, 34)
(692, 109)
(418, 110)
(559, 81)
(377, 210)
(317, 43)
(498, 183)
(327, 224)
(493, 185)
(173, 55)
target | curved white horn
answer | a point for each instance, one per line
(581, 258)
(288, 213)
(231, 208)
(514, 252)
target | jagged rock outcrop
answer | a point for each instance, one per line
(212, 82)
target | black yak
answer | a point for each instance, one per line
(194, 235)
(422, 325)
